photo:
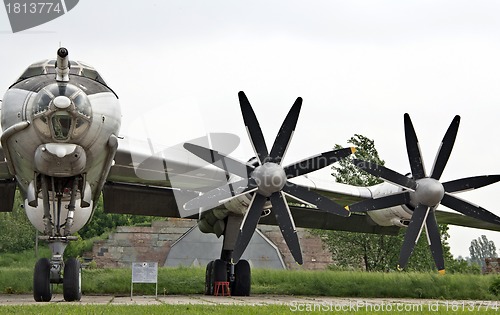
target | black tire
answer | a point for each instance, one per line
(72, 281)
(209, 283)
(242, 279)
(219, 271)
(42, 290)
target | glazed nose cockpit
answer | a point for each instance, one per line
(61, 113)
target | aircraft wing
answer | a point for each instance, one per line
(149, 183)
(446, 217)
(158, 184)
(4, 168)
(7, 185)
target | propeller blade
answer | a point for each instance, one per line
(434, 239)
(310, 197)
(248, 226)
(470, 183)
(220, 160)
(387, 174)
(213, 198)
(253, 128)
(381, 202)
(317, 162)
(286, 132)
(469, 209)
(286, 224)
(412, 233)
(413, 149)
(445, 149)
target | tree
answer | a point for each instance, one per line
(482, 248)
(16, 232)
(345, 172)
(102, 222)
(374, 252)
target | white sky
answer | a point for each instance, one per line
(359, 65)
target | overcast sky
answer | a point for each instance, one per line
(359, 66)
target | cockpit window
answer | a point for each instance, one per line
(48, 67)
(61, 125)
(33, 71)
(42, 104)
(66, 122)
(82, 104)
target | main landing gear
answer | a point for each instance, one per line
(238, 276)
(223, 270)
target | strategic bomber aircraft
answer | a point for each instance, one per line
(60, 147)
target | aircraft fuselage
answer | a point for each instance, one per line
(59, 128)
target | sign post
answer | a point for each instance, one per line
(144, 272)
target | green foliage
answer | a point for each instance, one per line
(24, 259)
(482, 248)
(16, 231)
(79, 247)
(495, 286)
(372, 252)
(461, 265)
(102, 222)
(345, 172)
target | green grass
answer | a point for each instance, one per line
(24, 259)
(182, 280)
(368, 284)
(203, 309)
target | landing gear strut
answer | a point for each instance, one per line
(222, 270)
(54, 270)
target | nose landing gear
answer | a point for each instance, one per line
(54, 270)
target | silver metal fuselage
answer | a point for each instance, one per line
(61, 134)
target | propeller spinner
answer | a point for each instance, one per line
(268, 180)
(426, 193)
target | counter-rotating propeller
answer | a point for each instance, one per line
(425, 193)
(268, 180)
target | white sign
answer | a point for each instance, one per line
(144, 272)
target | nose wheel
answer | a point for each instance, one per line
(72, 281)
(42, 289)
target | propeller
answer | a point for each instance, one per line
(267, 179)
(425, 193)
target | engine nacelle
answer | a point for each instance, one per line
(398, 215)
(213, 221)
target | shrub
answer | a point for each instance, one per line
(495, 286)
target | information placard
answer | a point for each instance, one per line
(144, 272)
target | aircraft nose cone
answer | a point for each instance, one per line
(270, 178)
(429, 192)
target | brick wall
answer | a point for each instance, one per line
(492, 265)
(131, 244)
